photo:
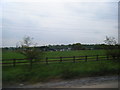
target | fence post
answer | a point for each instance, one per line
(73, 59)
(85, 58)
(97, 58)
(14, 60)
(60, 59)
(46, 60)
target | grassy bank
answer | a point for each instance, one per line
(43, 72)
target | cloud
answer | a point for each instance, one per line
(60, 0)
(56, 23)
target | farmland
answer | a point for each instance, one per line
(16, 55)
(42, 72)
(52, 56)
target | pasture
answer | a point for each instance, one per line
(42, 72)
(16, 55)
(57, 56)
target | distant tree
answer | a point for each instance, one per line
(99, 46)
(44, 48)
(27, 48)
(77, 46)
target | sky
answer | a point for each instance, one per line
(58, 22)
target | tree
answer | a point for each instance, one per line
(27, 48)
(110, 41)
(112, 49)
(77, 46)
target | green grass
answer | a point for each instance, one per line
(43, 72)
(16, 55)
(75, 53)
(65, 70)
(12, 55)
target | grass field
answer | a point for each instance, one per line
(16, 55)
(42, 72)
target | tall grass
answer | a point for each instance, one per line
(43, 72)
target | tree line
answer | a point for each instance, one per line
(30, 50)
(69, 47)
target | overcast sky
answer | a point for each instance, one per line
(59, 22)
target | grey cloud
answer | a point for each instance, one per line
(52, 23)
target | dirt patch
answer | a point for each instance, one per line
(89, 82)
(110, 84)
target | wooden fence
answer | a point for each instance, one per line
(48, 60)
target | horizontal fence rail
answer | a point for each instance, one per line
(47, 60)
